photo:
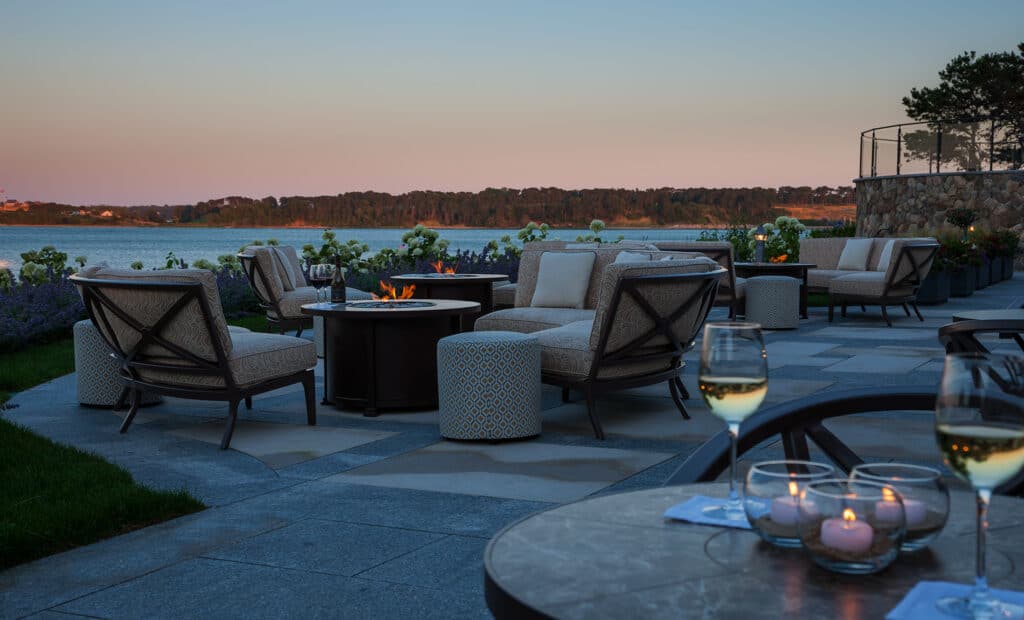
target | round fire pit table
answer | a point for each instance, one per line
(478, 287)
(383, 354)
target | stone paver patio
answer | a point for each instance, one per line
(362, 517)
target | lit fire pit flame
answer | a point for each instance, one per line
(391, 294)
(440, 268)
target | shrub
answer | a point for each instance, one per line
(837, 229)
(961, 217)
(533, 232)
(36, 312)
(596, 228)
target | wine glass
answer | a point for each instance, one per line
(319, 277)
(979, 424)
(733, 381)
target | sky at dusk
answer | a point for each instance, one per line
(173, 102)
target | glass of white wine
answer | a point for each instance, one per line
(979, 424)
(733, 381)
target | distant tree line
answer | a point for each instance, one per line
(491, 208)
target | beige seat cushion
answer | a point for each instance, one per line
(505, 295)
(255, 358)
(291, 302)
(566, 351)
(820, 278)
(562, 279)
(741, 287)
(865, 283)
(529, 320)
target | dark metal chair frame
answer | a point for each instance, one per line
(961, 336)
(99, 307)
(797, 421)
(281, 323)
(724, 257)
(912, 280)
(642, 348)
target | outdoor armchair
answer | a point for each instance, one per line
(279, 283)
(167, 330)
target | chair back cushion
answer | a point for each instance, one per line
(855, 254)
(289, 267)
(885, 256)
(562, 279)
(268, 263)
(631, 321)
(188, 329)
(822, 252)
(632, 257)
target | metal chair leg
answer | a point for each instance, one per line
(565, 395)
(675, 398)
(136, 400)
(122, 399)
(248, 402)
(682, 388)
(885, 315)
(309, 387)
(592, 412)
(917, 311)
(229, 428)
(831, 310)
(906, 309)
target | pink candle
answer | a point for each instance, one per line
(847, 534)
(889, 510)
(785, 509)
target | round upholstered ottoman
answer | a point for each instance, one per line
(488, 385)
(774, 301)
(96, 370)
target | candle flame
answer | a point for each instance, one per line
(888, 495)
(794, 490)
(849, 515)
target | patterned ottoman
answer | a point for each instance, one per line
(488, 385)
(774, 301)
(96, 370)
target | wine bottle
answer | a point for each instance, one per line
(338, 283)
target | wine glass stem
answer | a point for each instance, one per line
(734, 498)
(980, 577)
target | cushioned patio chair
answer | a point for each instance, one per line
(897, 285)
(279, 283)
(647, 317)
(796, 421)
(732, 291)
(167, 330)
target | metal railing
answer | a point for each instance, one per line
(941, 146)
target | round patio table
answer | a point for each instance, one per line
(1008, 314)
(615, 556)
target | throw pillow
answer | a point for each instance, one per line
(632, 257)
(885, 256)
(562, 279)
(855, 255)
(284, 269)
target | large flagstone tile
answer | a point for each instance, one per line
(529, 470)
(878, 364)
(885, 334)
(281, 445)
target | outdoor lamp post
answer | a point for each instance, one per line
(759, 236)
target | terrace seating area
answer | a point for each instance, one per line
(381, 517)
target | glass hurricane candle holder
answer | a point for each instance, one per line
(772, 497)
(924, 494)
(851, 526)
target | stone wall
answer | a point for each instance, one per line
(914, 203)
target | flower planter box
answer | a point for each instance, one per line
(934, 289)
(981, 275)
(961, 281)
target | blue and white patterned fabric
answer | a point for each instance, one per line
(488, 385)
(774, 301)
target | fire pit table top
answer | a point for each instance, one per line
(450, 277)
(407, 308)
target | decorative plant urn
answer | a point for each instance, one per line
(961, 281)
(981, 275)
(934, 288)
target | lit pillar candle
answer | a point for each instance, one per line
(785, 509)
(888, 509)
(847, 534)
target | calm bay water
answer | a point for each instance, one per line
(120, 246)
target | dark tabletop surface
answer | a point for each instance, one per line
(460, 277)
(617, 557)
(989, 315)
(778, 265)
(357, 310)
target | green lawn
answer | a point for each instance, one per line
(54, 498)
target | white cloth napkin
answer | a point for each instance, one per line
(919, 603)
(692, 510)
